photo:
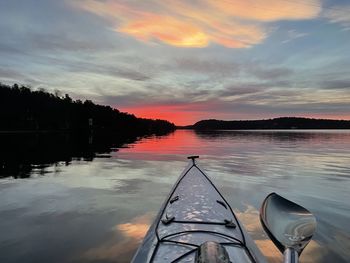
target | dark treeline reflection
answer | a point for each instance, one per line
(272, 135)
(23, 153)
(39, 129)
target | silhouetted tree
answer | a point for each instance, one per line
(24, 109)
(277, 123)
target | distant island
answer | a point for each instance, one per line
(26, 110)
(269, 124)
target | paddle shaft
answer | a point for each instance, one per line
(290, 256)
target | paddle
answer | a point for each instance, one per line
(289, 225)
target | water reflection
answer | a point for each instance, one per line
(116, 250)
(107, 192)
(25, 154)
(276, 135)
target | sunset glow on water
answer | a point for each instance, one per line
(99, 210)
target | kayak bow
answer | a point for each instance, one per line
(196, 223)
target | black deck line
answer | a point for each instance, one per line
(184, 255)
(205, 232)
(179, 243)
(198, 222)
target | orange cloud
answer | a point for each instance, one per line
(268, 10)
(166, 29)
(230, 23)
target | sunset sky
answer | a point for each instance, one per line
(184, 60)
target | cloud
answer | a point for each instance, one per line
(205, 66)
(249, 102)
(206, 69)
(339, 14)
(293, 34)
(166, 29)
(230, 23)
(11, 76)
(238, 91)
(335, 84)
(269, 10)
(269, 73)
(65, 42)
(102, 68)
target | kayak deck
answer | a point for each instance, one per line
(193, 213)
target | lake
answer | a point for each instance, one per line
(70, 208)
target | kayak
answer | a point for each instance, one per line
(194, 224)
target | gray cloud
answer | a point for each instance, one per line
(7, 48)
(226, 68)
(110, 70)
(6, 73)
(206, 66)
(66, 43)
(236, 90)
(339, 14)
(335, 84)
(248, 98)
(293, 35)
(266, 73)
(10, 76)
(251, 108)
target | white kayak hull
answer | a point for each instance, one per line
(193, 213)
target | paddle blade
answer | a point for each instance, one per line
(288, 224)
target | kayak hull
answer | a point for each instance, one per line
(193, 213)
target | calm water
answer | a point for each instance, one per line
(98, 209)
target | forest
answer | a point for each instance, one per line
(24, 109)
(277, 123)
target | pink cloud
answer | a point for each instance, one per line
(230, 23)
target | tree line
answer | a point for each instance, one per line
(277, 123)
(24, 109)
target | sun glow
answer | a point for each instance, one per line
(178, 114)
